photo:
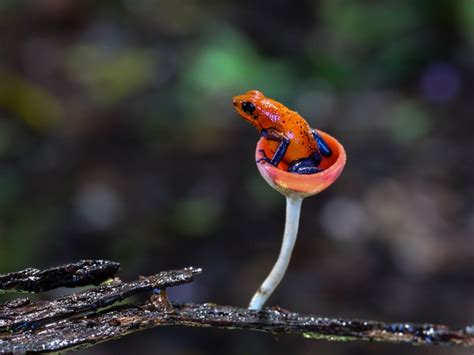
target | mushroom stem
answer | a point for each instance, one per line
(293, 208)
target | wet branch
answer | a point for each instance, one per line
(89, 317)
(21, 314)
(84, 272)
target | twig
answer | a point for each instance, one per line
(32, 315)
(84, 272)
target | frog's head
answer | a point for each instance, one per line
(249, 106)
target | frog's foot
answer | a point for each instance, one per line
(306, 166)
(264, 158)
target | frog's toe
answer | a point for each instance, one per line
(264, 158)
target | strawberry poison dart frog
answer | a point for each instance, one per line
(290, 138)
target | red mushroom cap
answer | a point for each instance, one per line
(301, 185)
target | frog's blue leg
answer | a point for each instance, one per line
(304, 166)
(322, 145)
(280, 153)
(282, 148)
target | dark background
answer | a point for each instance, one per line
(118, 140)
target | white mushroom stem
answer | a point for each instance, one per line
(293, 208)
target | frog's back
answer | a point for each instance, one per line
(302, 142)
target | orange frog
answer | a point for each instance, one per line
(290, 138)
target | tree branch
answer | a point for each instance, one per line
(25, 315)
(75, 321)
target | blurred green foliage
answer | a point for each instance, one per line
(30, 102)
(409, 121)
(229, 62)
(110, 74)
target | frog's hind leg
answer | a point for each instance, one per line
(306, 165)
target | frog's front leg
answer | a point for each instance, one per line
(322, 144)
(274, 135)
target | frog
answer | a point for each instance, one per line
(289, 137)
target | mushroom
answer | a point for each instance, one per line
(295, 187)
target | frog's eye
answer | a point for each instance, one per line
(248, 107)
